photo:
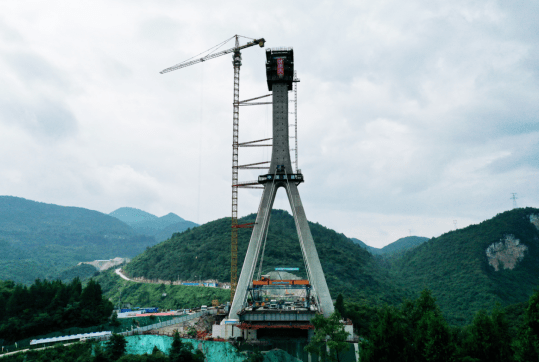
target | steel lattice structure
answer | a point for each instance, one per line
(235, 148)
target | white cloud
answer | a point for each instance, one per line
(411, 114)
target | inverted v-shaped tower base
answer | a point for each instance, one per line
(280, 72)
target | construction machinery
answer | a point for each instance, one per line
(236, 62)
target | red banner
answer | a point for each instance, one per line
(280, 67)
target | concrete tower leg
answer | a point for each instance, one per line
(253, 251)
(310, 255)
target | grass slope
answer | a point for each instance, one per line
(456, 268)
(158, 295)
(42, 239)
(204, 253)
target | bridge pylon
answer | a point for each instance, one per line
(280, 78)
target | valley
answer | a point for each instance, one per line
(467, 269)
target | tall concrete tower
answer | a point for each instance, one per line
(280, 74)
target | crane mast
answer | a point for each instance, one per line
(236, 62)
(235, 148)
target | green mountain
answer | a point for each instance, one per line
(403, 244)
(40, 240)
(204, 253)
(130, 215)
(364, 246)
(496, 261)
(150, 225)
(395, 247)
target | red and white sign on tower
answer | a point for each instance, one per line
(280, 67)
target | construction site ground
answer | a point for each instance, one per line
(201, 325)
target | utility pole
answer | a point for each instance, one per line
(514, 198)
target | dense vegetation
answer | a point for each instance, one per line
(204, 253)
(48, 306)
(40, 240)
(455, 266)
(417, 331)
(83, 272)
(158, 295)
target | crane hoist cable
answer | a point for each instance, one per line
(215, 47)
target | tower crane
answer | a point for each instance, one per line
(236, 62)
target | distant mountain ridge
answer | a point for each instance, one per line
(396, 247)
(39, 240)
(148, 224)
(131, 215)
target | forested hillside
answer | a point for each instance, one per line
(204, 253)
(41, 240)
(473, 268)
(48, 306)
(161, 228)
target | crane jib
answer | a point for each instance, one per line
(260, 42)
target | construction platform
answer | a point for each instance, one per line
(273, 309)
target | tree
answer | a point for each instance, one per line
(116, 346)
(99, 354)
(256, 356)
(437, 344)
(487, 338)
(328, 333)
(180, 352)
(526, 345)
(387, 341)
(428, 336)
(114, 320)
(192, 332)
(339, 305)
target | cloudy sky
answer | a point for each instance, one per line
(411, 114)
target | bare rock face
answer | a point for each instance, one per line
(506, 253)
(534, 219)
